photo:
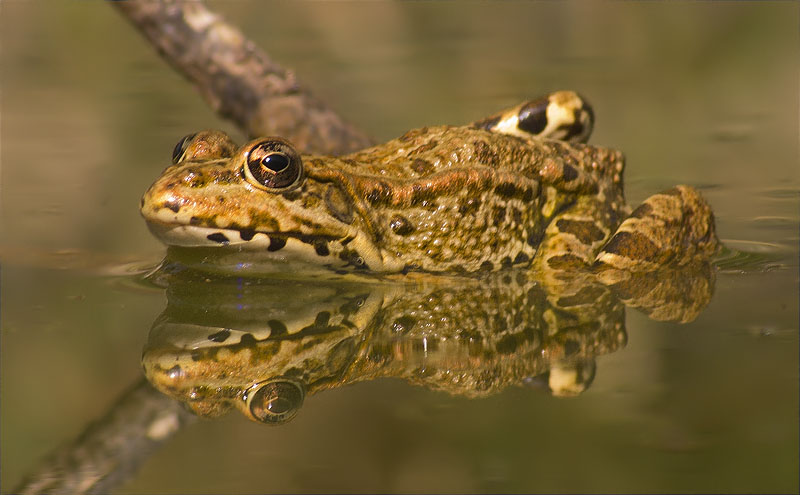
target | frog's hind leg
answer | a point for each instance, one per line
(562, 115)
(671, 228)
(658, 260)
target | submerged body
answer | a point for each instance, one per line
(519, 188)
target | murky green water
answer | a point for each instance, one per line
(704, 94)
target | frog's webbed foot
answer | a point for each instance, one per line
(562, 115)
(658, 259)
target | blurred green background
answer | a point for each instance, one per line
(697, 93)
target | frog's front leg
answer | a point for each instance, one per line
(671, 228)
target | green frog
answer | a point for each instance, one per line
(518, 188)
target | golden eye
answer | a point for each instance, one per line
(275, 402)
(273, 164)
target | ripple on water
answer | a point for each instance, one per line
(743, 256)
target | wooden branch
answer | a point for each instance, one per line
(110, 450)
(237, 79)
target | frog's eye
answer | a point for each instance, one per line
(203, 145)
(275, 402)
(180, 148)
(274, 165)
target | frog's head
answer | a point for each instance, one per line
(258, 198)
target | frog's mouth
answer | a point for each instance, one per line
(197, 236)
(355, 251)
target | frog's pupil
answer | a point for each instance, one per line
(277, 162)
(279, 405)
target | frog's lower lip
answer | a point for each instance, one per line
(194, 236)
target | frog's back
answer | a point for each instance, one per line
(467, 199)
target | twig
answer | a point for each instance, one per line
(237, 79)
(110, 450)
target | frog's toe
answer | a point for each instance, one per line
(671, 228)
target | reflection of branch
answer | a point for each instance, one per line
(110, 450)
(237, 79)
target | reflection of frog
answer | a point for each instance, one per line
(518, 188)
(261, 346)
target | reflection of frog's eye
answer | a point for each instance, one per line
(180, 148)
(274, 165)
(275, 402)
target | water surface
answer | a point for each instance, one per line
(703, 94)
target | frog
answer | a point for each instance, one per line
(518, 188)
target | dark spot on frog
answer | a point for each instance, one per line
(535, 238)
(506, 189)
(247, 234)
(174, 205)
(196, 355)
(585, 230)
(248, 340)
(422, 167)
(516, 216)
(485, 154)
(569, 173)
(423, 148)
(404, 324)
(469, 206)
(424, 196)
(218, 237)
(195, 221)
(508, 344)
(321, 247)
(379, 193)
(486, 266)
(532, 117)
(221, 199)
(506, 262)
(276, 327)
(276, 243)
(400, 225)
(633, 246)
(220, 336)
(521, 258)
(499, 215)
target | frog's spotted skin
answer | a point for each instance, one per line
(562, 115)
(518, 188)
